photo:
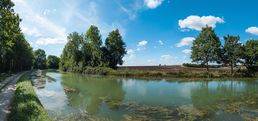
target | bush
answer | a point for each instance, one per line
(97, 70)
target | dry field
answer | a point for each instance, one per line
(172, 68)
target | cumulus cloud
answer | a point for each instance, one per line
(152, 4)
(252, 30)
(130, 54)
(198, 22)
(142, 45)
(185, 41)
(130, 57)
(187, 51)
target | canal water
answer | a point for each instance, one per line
(68, 96)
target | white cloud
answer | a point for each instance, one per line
(48, 29)
(130, 54)
(90, 17)
(187, 51)
(252, 30)
(153, 3)
(48, 11)
(166, 58)
(142, 43)
(50, 41)
(185, 41)
(130, 57)
(198, 22)
(31, 31)
(161, 42)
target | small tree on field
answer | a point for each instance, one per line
(250, 55)
(231, 51)
(115, 49)
(206, 47)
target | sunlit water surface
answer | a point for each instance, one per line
(69, 96)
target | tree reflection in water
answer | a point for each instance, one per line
(40, 78)
(89, 93)
(227, 98)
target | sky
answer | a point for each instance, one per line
(155, 31)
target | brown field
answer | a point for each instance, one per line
(172, 68)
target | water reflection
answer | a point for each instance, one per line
(117, 98)
(91, 92)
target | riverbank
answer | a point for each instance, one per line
(186, 73)
(3, 76)
(26, 105)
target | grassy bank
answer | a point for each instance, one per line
(174, 74)
(26, 106)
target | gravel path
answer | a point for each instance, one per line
(7, 90)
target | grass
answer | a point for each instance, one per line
(158, 74)
(26, 106)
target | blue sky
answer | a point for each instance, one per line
(155, 31)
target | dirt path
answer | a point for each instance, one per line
(7, 90)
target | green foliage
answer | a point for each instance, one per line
(16, 53)
(115, 49)
(26, 106)
(40, 59)
(93, 37)
(250, 55)
(85, 51)
(72, 53)
(230, 54)
(206, 47)
(52, 62)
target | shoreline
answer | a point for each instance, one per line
(102, 71)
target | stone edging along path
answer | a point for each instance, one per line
(7, 90)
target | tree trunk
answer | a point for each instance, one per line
(207, 67)
(232, 69)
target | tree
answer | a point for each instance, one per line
(231, 51)
(16, 53)
(250, 55)
(40, 59)
(82, 51)
(93, 37)
(52, 62)
(23, 54)
(115, 49)
(72, 54)
(205, 47)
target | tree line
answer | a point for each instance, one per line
(207, 48)
(16, 54)
(84, 50)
